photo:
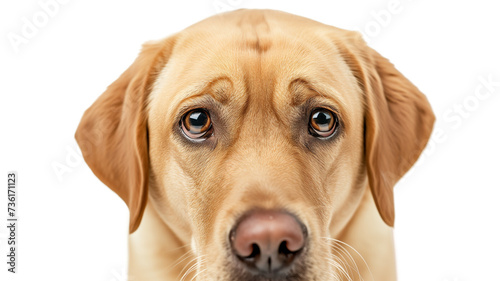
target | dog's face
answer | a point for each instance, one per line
(260, 94)
(257, 118)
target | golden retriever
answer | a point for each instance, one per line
(258, 145)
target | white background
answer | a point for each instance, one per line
(74, 228)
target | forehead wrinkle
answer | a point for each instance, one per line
(312, 90)
(309, 91)
(259, 82)
(214, 88)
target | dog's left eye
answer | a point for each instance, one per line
(196, 124)
(322, 123)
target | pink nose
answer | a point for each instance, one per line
(268, 241)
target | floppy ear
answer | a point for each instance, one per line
(113, 131)
(398, 121)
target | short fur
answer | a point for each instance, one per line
(259, 73)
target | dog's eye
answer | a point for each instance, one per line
(196, 124)
(322, 123)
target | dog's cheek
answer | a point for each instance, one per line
(168, 186)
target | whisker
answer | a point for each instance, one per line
(180, 260)
(335, 265)
(200, 264)
(342, 244)
(188, 266)
(192, 267)
(339, 261)
(345, 253)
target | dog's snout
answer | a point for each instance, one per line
(268, 242)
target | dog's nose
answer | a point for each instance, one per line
(268, 241)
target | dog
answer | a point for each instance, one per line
(258, 145)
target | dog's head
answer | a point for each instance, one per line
(257, 118)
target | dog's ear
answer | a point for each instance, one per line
(398, 120)
(113, 131)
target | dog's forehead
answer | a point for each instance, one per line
(263, 52)
(260, 20)
(258, 39)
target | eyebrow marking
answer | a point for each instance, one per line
(302, 90)
(216, 88)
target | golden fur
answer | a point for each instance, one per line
(258, 72)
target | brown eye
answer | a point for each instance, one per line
(322, 123)
(196, 124)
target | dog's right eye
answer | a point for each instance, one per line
(196, 125)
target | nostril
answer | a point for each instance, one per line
(255, 252)
(283, 249)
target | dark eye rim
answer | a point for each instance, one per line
(197, 137)
(336, 122)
